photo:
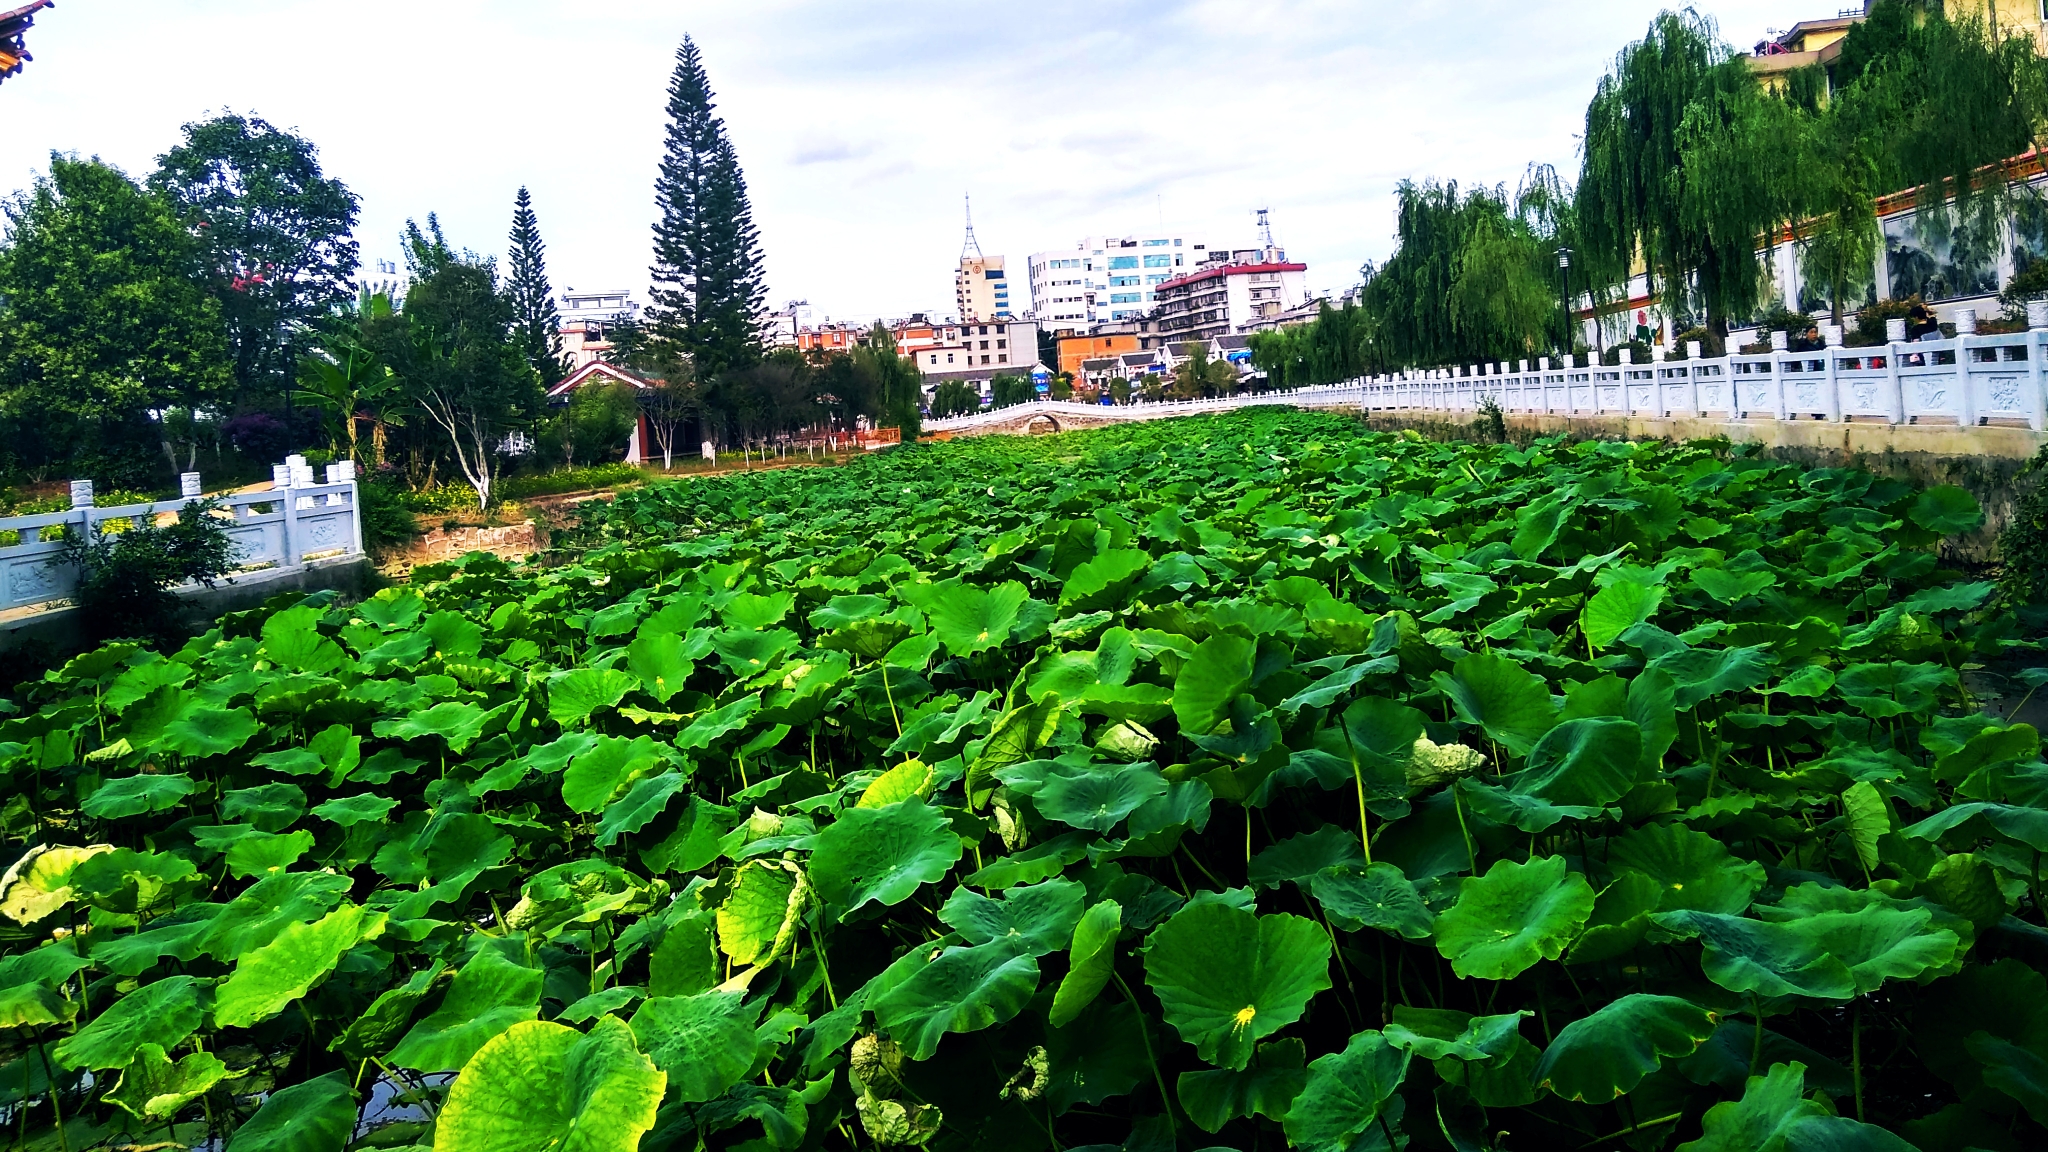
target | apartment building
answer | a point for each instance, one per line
(981, 289)
(1231, 293)
(1106, 278)
(1005, 345)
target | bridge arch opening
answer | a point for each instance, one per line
(1041, 424)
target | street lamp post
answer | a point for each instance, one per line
(1564, 267)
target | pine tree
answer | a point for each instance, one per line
(707, 271)
(536, 326)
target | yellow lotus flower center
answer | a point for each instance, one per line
(1243, 1019)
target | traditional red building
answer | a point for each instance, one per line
(14, 22)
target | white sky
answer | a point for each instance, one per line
(859, 123)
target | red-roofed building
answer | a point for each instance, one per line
(14, 22)
(1229, 295)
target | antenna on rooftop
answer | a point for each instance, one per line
(972, 245)
(1265, 229)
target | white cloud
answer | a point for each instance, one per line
(860, 123)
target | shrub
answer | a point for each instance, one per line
(2023, 545)
(125, 577)
(571, 480)
(387, 522)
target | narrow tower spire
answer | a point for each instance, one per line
(972, 246)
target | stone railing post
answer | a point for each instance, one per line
(2037, 325)
(1781, 343)
(1832, 389)
(1966, 399)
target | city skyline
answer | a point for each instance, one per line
(857, 154)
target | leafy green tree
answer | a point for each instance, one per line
(1198, 375)
(108, 341)
(708, 275)
(954, 398)
(274, 236)
(896, 386)
(1007, 389)
(348, 381)
(536, 325)
(596, 422)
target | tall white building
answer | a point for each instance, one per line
(387, 277)
(981, 288)
(1105, 278)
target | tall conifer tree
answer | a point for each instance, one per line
(536, 325)
(707, 271)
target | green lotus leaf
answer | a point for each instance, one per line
(207, 731)
(1773, 1114)
(1298, 858)
(1512, 704)
(1214, 675)
(687, 961)
(882, 855)
(1617, 608)
(542, 1085)
(455, 723)
(1869, 816)
(349, 811)
(264, 909)
(163, 1012)
(1100, 583)
(642, 802)
(1538, 524)
(292, 640)
(1041, 917)
(1268, 1087)
(759, 919)
(254, 853)
(968, 619)
(489, 994)
(751, 612)
(136, 795)
(717, 723)
(1701, 673)
(2029, 826)
(271, 977)
(392, 608)
(154, 1088)
(317, 1115)
(693, 843)
(1512, 918)
(384, 1022)
(575, 694)
(1946, 510)
(29, 1005)
(1227, 978)
(1691, 869)
(1728, 587)
(908, 780)
(1346, 1094)
(1590, 761)
(2019, 1071)
(962, 989)
(1096, 797)
(1378, 896)
(270, 807)
(596, 775)
(455, 635)
(1091, 960)
(1832, 954)
(659, 661)
(1604, 1056)
(1446, 1033)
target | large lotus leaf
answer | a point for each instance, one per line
(1512, 704)
(1298, 858)
(1538, 524)
(1099, 583)
(580, 891)
(595, 776)
(349, 811)
(704, 1042)
(316, 1115)
(1946, 510)
(455, 635)
(1345, 1094)
(155, 1089)
(574, 694)
(762, 910)
(1016, 735)
(717, 723)
(1699, 673)
(40, 882)
(963, 989)
(1379, 896)
(1692, 869)
(881, 855)
(2029, 826)
(291, 640)
(1040, 918)
(136, 795)
(126, 881)
(1091, 960)
(1096, 797)
(266, 980)
(1590, 761)
(254, 853)
(29, 1005)
(968, 619)
(660, 662)
(912, 778)
(1227, 978)
(385, 1020)
(1510, 919)
(644, 801)
(205, 731)
(163, 1012)
(1617, 608)
(1894, 688)
(270, 807)
(1219, 669)
(2019, 1071)
(751, 611)
(490, 994)
(1604, 1056)
(693, 842)
(541, 1085)
(1518, 809)
(1449, 1034)
(1773, 1116)
(255, 917)
(1267, 1088)
(1830, 955)
(1728, 587)
(457, 724)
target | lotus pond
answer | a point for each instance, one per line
(1244, 782)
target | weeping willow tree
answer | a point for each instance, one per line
(1676, 171)
(1330, 348)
